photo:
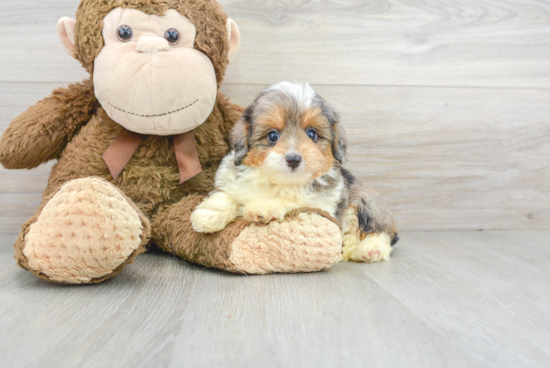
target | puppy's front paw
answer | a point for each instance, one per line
(264, 212)
(206, 220)
(374, 248)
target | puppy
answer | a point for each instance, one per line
(288, 152)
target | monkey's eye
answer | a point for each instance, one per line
(172, 35)
(311, 133)
(124, 33)
(273, 136)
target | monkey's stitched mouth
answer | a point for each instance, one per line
(154, 116)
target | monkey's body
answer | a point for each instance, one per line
(151, 178)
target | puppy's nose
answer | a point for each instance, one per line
(293, 161)
(150, 45)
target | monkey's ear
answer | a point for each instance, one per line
(340, 144)
(234, 38)
(239, 141)
(66, 30)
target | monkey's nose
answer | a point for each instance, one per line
(151, 45)
(293, 161)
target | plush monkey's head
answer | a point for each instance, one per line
(156, 64)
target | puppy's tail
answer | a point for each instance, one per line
(372, 214)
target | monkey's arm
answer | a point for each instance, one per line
(41, 133)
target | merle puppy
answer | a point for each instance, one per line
(288, 152)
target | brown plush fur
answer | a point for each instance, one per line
(42, 132)
(174, 234)
(72, 127)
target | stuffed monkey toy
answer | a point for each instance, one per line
(137, 148)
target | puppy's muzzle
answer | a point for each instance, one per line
(293, 161)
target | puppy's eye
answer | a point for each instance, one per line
(172, 35)
(311, 133)
(124, 33)
(273, 136)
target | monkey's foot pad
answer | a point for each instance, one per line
(306, 242)
(85, 232)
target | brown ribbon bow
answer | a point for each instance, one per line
(126, 143)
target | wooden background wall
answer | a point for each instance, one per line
(447, 103)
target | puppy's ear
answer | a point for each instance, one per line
(339, 143)
(339, 137)
(239, 140)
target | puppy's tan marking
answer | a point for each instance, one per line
(273, 118)
(313, 118)
(318, 160)
(255, 158)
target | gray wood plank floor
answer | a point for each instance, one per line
(447, 299)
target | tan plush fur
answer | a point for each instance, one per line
(299, 249)
(105, 219)
(71, 127)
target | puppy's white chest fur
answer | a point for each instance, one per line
(248, 185)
